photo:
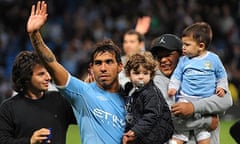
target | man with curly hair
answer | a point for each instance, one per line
(34, 115)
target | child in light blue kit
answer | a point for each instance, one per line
(199, 74)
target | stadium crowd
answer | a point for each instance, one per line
(75, 25)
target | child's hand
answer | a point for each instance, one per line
(172, 92)
(128, 137)
(220, 92)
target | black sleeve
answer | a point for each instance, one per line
(234, 131)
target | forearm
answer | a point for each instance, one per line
(41, 48)
(223, 83)
(57, 71)
(213, 104)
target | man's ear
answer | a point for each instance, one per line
(120, 67)
(90, 65)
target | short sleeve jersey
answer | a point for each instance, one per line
(100, 114)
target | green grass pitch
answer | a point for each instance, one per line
(73, 136)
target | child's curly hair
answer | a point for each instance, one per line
(144, 59)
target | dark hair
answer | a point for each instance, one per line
(106, 46)
(144, 59)
(22, 70)
(134, 32)
(199, 31)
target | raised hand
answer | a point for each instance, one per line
(143, 24)
(38, 17)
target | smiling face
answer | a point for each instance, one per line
(29, 76)
(105, 69)
(40, 79)
(167, 62)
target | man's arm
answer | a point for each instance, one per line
(216, 104)
(213, 104)
(36, 20)
(210, 105)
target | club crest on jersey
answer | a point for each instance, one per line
(208, 65)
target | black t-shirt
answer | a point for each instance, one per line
(21, 116)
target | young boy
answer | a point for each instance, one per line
(199, 74)
(148, 115)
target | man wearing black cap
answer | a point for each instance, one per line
(167, 50)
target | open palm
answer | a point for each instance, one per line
(143, 24)
(38, 17)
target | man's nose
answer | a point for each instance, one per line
(162, 60)
(103, 67)
(48, 76)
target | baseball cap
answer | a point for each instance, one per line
(168, 41)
